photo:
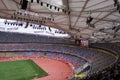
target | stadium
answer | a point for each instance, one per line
(59, 39)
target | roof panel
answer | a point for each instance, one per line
(103, 12)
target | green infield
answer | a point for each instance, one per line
(20, 70)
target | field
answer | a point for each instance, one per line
(20, 70)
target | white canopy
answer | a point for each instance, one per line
(105, 16)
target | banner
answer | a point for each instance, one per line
(20, 27)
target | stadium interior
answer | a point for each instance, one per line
(84, 34)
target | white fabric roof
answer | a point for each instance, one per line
(103, 12)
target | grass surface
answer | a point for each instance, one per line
(20, 70)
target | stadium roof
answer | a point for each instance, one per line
(71, 16)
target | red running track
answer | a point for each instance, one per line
(57, 69)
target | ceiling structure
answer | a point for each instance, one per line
(105, 16)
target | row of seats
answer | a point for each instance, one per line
(19, 37)
(75, 61)
(113, 47)
(81, 52)
(109, 73)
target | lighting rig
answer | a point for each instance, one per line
(116, 28)
(89, 20)
(117, 5)
(24, 15)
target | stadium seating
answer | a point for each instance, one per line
(111, 72)
(28, 45)
(97, 59)
(19, 37)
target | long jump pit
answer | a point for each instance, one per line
(57, 69)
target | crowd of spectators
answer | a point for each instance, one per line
(113, 71)
(113, 47)
(6, 37)
(110, 73)
(81, 52)
(72, 54)
(96, 58)
(74, 60)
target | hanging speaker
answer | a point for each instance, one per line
(24, 4)
(41, 3)
(27, 23)
(31, 1)
(37, 1)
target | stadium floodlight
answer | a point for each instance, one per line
(33, 17)
(24, 4)
(115, 2)
(89, 20)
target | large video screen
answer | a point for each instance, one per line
(85, 43)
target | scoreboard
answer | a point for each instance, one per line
(82, 42)
(85, 43)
